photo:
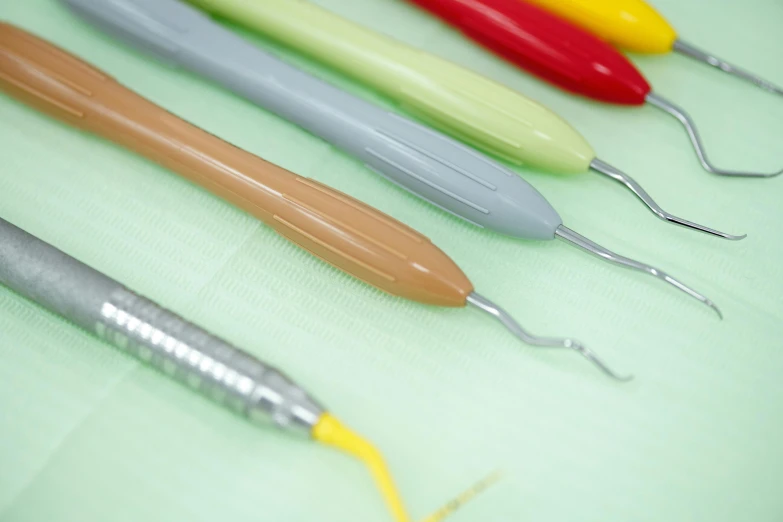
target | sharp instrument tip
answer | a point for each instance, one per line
(514, 327)
(616, 174)
(597, 250)
(694, 52)
(715, 307)
(698, 146)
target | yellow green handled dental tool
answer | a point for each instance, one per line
(476, 109)
(450, 98)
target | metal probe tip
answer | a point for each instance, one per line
(690, 126)
(694, 52)
(607, 170)
(514, 327)
(585, 244)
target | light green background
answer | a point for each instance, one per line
(87, 434)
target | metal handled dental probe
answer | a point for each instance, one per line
(155, 336)
(105, 308)
(351, 236)
(444, 95)
(566, 56)
(441, 170)
(635, 26)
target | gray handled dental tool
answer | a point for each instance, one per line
(155, 336)
(422, 161)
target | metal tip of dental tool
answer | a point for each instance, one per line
(694, 52)
(607, 170)
(686, 120)
(514, 327)
(585, 244)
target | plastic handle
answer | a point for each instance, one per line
(340, 230)
(428, 164)
(448, 97)
(547, 46)
(105, 308)
(632, 25)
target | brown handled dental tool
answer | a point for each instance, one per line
(342, 231)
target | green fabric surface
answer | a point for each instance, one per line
(88, 434)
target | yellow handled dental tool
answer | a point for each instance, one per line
(633, 25)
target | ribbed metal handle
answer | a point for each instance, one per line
(204, 362)
(150, 333)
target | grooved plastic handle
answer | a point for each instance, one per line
(446, 96)
(351, 236)
(547, 46)
(431, 165)
(632, 25)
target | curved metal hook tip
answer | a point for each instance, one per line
(609, 171)
(514, 327)
(597, 250)
(690, 126)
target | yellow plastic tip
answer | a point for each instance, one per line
(332, 432)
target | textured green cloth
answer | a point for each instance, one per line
(88, 434)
